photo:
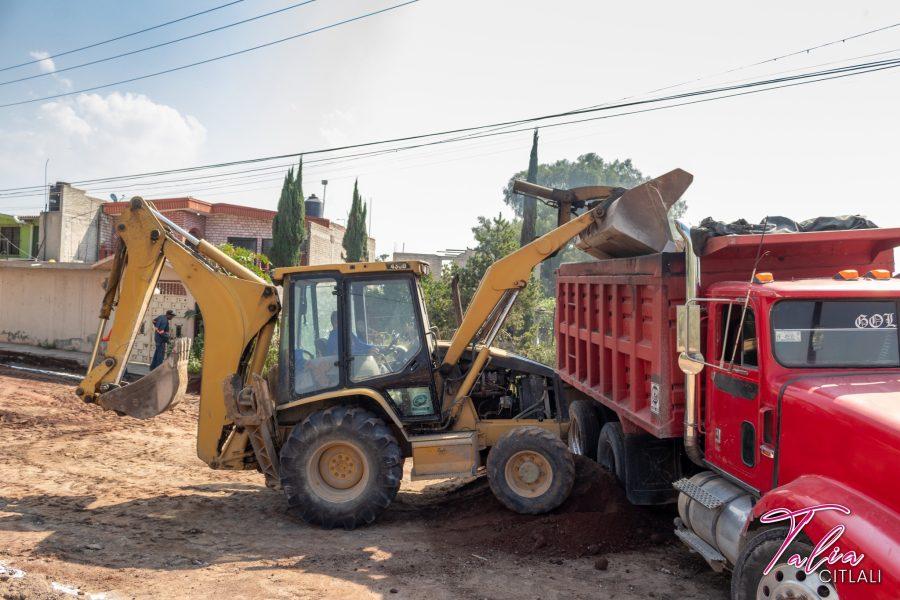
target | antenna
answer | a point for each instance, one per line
(759, 256)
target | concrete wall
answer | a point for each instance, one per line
(55, 305)
(72, 233)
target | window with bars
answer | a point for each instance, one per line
(171, 288)
(9, 241)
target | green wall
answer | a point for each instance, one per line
(26, 231)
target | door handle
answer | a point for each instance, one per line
(767, 451)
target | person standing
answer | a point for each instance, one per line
(161, 337)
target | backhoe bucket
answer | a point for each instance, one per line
(636, 223)
(158, 391)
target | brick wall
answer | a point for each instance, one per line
(220, 226)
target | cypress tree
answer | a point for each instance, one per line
(529, 203)
(356, 238)
(289, 224)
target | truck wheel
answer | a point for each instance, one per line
(784, 581)
(340, 467)
(530, 470)
(584, 429)
(611, 450)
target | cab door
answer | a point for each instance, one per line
(735, 415)
(386, 343)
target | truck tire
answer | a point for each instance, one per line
(584, 429)
(611, 450)
(340, 467)
(748, 582)
(530, 470)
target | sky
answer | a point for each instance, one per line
(825, 148)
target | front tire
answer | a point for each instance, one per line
(340, 467)
(784, 581)
(584, 429)
(530, 470)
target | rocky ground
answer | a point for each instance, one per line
(106, 507)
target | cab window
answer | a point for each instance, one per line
(738, 342)
(384, 329)
(836, 333)
(315, 335)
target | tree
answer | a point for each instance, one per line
(529, 203)
(531, 319)
(356, 238)
(289, 224)
(258, 263)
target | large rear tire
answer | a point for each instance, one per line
(584, 429)
(530, 470)
(611, 450)
(341, 467)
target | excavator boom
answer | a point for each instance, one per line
(239, 313)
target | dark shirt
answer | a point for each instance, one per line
(161, 323)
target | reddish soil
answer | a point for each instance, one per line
(123, 508)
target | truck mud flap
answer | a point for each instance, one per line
(651, 465)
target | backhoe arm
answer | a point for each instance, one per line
(500, 285)
(239, 311)
(637, 210)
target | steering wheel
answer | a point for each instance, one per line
(307, 354)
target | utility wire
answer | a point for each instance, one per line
(213, 59)
(160, 45)
(738, 90)
(122, 37)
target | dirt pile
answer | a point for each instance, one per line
(596, 519)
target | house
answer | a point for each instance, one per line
(74, 240)
(18, 237)
(437, 260)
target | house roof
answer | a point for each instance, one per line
(195, 205)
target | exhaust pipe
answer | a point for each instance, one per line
(690, 361)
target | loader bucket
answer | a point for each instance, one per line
(158, 391)
(636, 223)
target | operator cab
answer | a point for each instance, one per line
(359, 325)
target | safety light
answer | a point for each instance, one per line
(847, 274)
(763, 278)
(878, 274)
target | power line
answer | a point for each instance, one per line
(774, 83)
(160, 45)
(122, 37)
(213, 59)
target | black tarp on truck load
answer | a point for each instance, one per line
(710, 228)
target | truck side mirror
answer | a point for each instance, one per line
(690, 359)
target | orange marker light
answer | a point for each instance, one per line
(763, 278)
(847, 274)
(878, 274)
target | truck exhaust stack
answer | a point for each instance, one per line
(155, 393)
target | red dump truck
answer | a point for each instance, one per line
(758, 386)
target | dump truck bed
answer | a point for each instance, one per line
(615, 327)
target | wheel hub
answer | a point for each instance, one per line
(337, 471)
(787, 582)
(528, 474)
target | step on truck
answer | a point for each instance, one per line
(756, 383)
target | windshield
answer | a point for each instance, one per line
(832, 333)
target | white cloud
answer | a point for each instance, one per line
(93, 135)
(46, 65)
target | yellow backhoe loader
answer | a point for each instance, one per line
(362, 381)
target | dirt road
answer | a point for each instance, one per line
(119, 508)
